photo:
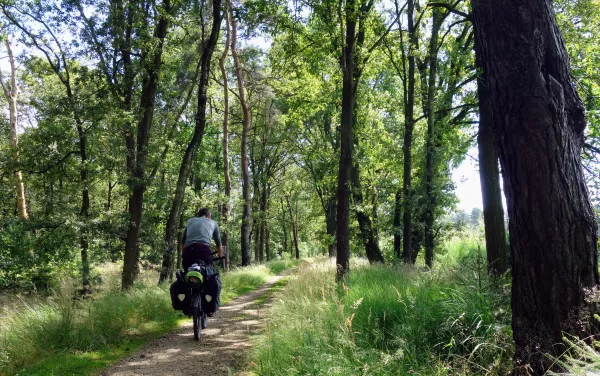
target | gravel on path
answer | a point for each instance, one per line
(221, 348)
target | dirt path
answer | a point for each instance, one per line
(221, 348)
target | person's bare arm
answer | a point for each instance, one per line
(217, 239)
(183, 237)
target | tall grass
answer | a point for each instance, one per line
(58, 332)
(32, 332)
(580, 358)
(387, 321)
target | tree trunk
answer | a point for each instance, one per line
(539, 121)
(346, 145)
(85, 204)
(227, 204)
(246, 213)
(261, 248)
(409, 125)
(138, 183)
(294, 227)
(364, 221)
(255, 231)
(268, 243)
(489, 176)
(330, 213)
(190, 152)
(284, 227)
(430, 205)
(262, 221)
(398, 223)
(11, 92)
(179, 243)
(109, 196)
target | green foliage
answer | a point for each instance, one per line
(390, 320)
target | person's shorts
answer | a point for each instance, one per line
(194, 253)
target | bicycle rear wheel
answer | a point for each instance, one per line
(196, 319)
(204, 322)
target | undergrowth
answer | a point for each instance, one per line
(60, 335)
(388, 320)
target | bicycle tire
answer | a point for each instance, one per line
(204, 322)
(196, 318)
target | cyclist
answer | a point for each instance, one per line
(196, 239)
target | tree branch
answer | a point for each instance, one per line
(451, 9)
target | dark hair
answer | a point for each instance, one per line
(204, 212)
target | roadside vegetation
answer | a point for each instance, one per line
(390, 320)
(57, 334)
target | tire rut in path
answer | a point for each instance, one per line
(221, 348)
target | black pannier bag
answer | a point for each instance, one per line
(180, 298)
(211, 294)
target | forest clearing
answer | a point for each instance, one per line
(320, 139)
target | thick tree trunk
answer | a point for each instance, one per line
(138, 183)
(430, 205)
(190, 152)
(539, 121)
(409, 125)
(489, 176)
(246, 213)
(11, 92)
(346, 143)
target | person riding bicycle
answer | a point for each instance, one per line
(196, 239)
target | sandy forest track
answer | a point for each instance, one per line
(221, 348)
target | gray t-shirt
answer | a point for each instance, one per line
(201, 230)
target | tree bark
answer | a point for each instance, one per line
(179, 243)
(409, 125)
(284, 227)
(138, 183)
(227, 204)
(430, 205)
(398, 223)
(11, 92)
(85, 200)
(268, 243)
(190, 152)
(330, 213)
(246, 213)
(364, 221)
(255, 231)
(347, 61)
(264, 200)
(489, 176)
(294, 227)
(539, 121)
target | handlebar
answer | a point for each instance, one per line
(217, 258)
